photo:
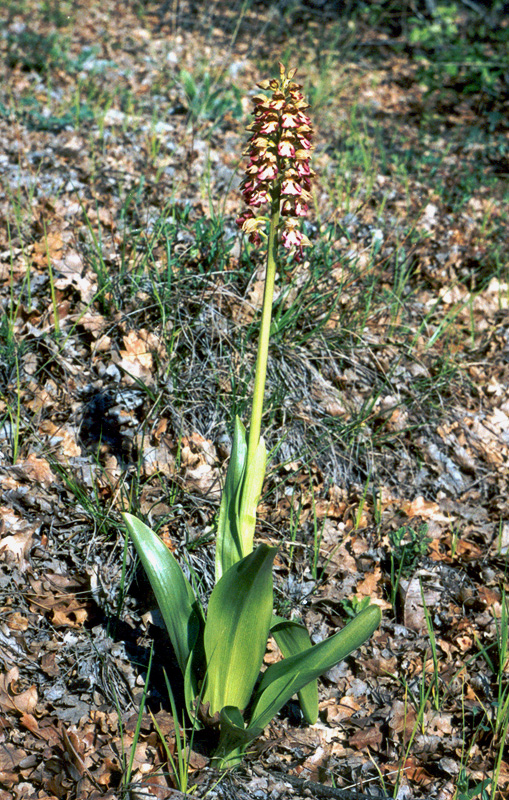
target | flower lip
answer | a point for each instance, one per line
(303, 168)
(268, 127)
(258, 198)
(292, 237)
(268, 172)
(290, 119)
(286, 149)
(290, 187)
(301, 209)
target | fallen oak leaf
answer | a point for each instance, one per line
(153, 787)
(110, 769)
(72, 748)
(22, 702)
(37, 469)
(368, 586)
(15, 545)
(402, 719)
(49, 666)
(56, 596)
(17, 622)
(74, 758)
(72, 274)
(367, 737)
(62, 439)
(137, 358)
(30, 723)
(426, 509)
(416, 772)
(337, 711)
(10, 757)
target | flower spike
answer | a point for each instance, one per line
(278, 174)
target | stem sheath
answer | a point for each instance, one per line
(263, 341)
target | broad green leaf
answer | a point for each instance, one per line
(293, 638)
(177, 602)
(237, 628)
(250, 495)
(228, 545)
(284, 678)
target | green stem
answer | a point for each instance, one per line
(263, 341)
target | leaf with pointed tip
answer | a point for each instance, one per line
(236, 630)
(228, 544)
(175, 597)
(284, 678)
(293, 638)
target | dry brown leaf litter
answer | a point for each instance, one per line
(65, 665)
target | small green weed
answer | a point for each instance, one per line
(207, 98)
(470, 63)
(444, 26)
(466, 791)
(353, 605)
(9, 350)
(40, 52)
(10, 421)
(129, 762)
(496, 656)
(179, 759)
(37, 118)
(13, 8)
(11, 354)
(57, 12)
(407, 547)
(88, 500)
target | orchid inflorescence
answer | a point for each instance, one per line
(279, 150)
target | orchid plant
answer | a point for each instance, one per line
(220, 652)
